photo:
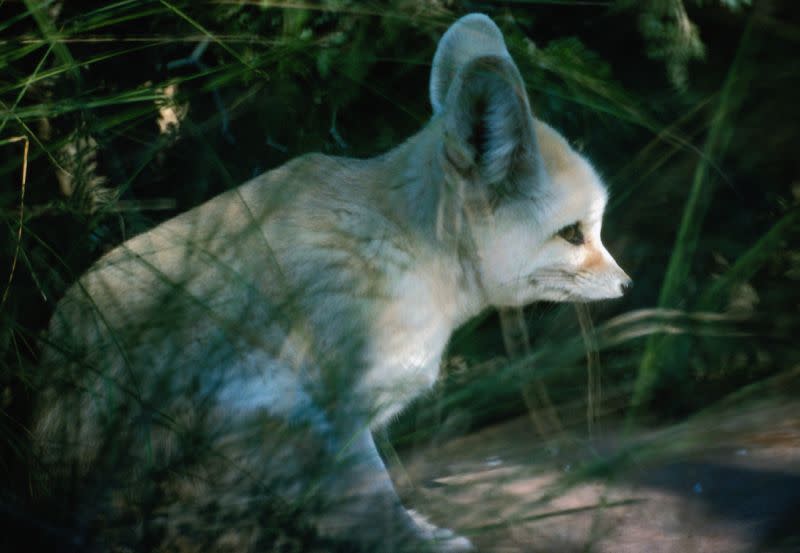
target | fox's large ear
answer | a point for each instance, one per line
(470, 37)
(479, 93)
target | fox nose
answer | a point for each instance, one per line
(625, 285)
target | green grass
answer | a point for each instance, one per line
(673, 289)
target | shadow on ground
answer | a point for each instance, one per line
(728, 485)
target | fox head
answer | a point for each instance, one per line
(533, 206)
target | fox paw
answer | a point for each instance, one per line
(444, 539)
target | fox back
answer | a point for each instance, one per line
(273, 327)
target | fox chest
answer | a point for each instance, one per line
(404, 357)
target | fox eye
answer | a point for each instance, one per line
(572, 234)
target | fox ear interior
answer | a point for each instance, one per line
(488, 124)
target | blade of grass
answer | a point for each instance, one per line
(45, 24)
(751, 261)
(213, 38)
(27, 83)
(23, 180)
(700, 195)
(551, 514)
(537, 400)
(594, 388)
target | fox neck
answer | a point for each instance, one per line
(428, 297)
(419, 189)
(425, 198)
(412, 330)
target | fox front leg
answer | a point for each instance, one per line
(362, 505)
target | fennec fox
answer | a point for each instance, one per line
(230, 364)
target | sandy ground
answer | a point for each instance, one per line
(727, 483)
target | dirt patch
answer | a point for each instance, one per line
(722, 484)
